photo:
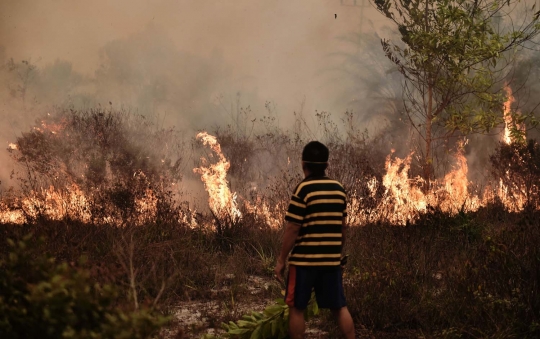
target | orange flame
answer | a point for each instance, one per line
(509, 122)
(214, 176)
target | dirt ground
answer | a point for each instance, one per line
(192, 319)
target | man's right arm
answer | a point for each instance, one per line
(289, 238)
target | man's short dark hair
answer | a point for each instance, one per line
(315, 157)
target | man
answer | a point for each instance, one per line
(314, 236)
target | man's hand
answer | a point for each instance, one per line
(279, 270)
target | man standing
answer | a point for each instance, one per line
(314, 236)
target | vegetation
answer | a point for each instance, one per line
(453, 55)
(273, 322)
(518, 165)
(467, 275)
(42, 299)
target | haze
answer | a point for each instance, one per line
(278, 51)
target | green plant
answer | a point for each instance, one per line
(42, 299)
(271, 323)
(267, 259)
(452, 56)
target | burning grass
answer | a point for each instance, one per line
(104, 185)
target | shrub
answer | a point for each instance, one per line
(448, 276)
(517, 165)
(122, 167)
(42, 299)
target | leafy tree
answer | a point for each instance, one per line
(453, 56)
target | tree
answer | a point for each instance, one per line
(25, 72)
(453, 57)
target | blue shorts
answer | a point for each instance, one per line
(327, 282)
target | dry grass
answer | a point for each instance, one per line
(469, 275)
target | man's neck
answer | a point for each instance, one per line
(311, 175)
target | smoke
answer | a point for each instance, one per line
(199, 64)
(192, 64)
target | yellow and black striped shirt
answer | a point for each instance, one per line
(319, 205)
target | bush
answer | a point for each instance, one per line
(42, 299)
(466, 276)
(107, 166)
(518, 167)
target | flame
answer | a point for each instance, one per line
(261, 210)
(513, 198)
(71, 203)
(48, 203)
(456, 187)
(509, 122)
(222, 201)
(507, 137)
(214, 176)
(12, 146)
(53, 128)
(397, 198)
(402, 199)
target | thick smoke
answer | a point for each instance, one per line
(200, 64)
(190, 64)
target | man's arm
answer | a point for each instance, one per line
(289, 238)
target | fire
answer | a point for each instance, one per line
(12, 146)
(397, 198)
(72, 203)
(214, 176)
(509, 122)
(221, 200)
(456, 187)
(402, 199)
(516, 201)
(48, 203)
(507, 137)
(52, 128)
(271, 217)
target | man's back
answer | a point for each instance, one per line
(319, 205)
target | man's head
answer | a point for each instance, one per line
(315, 158)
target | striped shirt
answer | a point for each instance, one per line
(319, 205)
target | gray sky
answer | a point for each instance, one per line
(277, 50)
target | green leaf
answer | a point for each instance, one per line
(245, 323)
(267, 330)
(315, 308)
(275, 327)
(273, 310)
(239, 331)
(256, 334)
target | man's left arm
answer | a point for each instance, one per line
(289, 238)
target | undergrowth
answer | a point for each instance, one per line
(469, 275)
